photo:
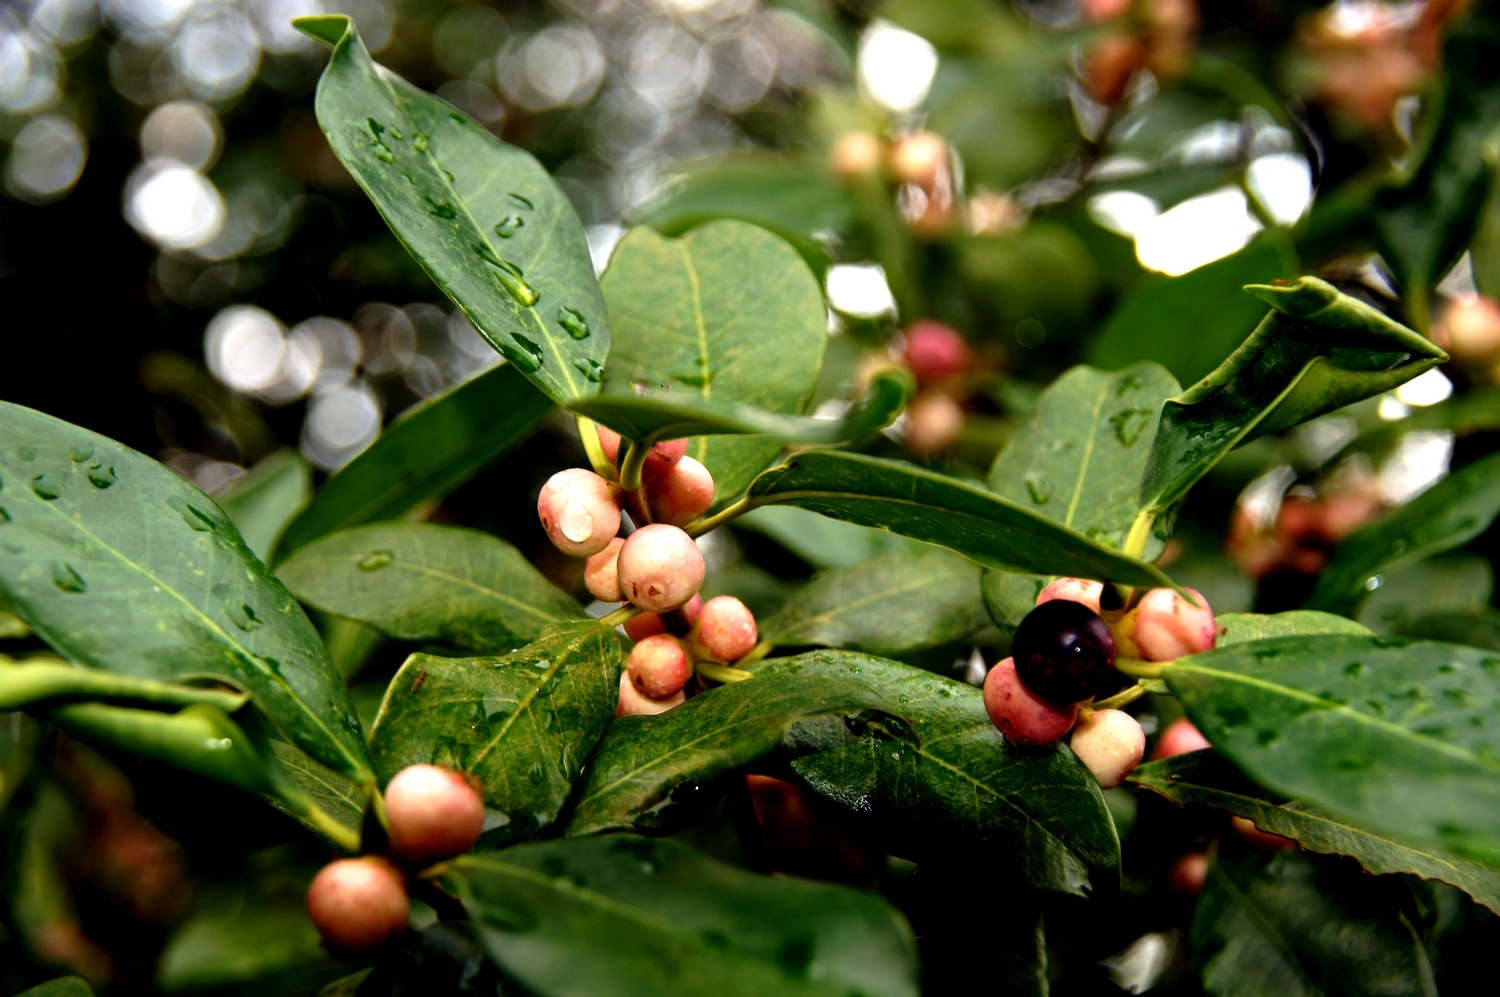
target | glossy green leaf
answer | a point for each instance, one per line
(37, 682)
(431, 450)
(925, 505)
(1397, 736)
(1282, 924)
(1318, 350)
(820, 541)
(1452, 512)
(1241, 628)
(307, 788)
(1190, 324)
(954, 782)
(242, 931)
(621, 916)
(423, 581)
(1448, 584)
(483, 218)
(120, 564)
(1203, 777)
(522, 724)
(890, 605)
(1009, 596)
(63, 986)
(266, 498)
(648, 772)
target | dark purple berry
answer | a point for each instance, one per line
(1064, 652)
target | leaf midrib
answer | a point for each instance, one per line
(941, 575)
(459, 582)
(1088, 454)
(523, 705)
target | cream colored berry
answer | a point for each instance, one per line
(1110, 743)
(660, 568)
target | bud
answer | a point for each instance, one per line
(1084, 590)
(1179, 738)
(934, 423)
(856, 155)
(1164, 626)
(920, 158)
(934, 351)
(1469, 329)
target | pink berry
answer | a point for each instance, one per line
(1179, 738)
(934, 423)
(609, 442)
(356, 904)
(601, 575)
(1073, 590)
(578, 511)
(681, 493)
(434, 813)
(1167, 627)
(660, 568)
(1469, 328)
(662, 457)
(1110, 743)
(919, 158)
(632, 703)
(659, 666)
(1021, 715)
(1188, 873)
(935, 351)
(725, 630)
(676, 622)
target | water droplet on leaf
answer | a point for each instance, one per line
(419, 142)
(529, 355)
(375, 560)
(197, 518)
(591, 369)
(102, 477)
(573, 323)
(509, 226)
(1130, 423)
(440, 209)
(241, 614)
(1037, 486)
(45, 488)
(81, 453)
(523, 201)
(67, 579)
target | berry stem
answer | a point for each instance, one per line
(588, 433)
(722, 673)
(730, 512)
(1142, 669)
(756, 653)
(1121, 698)
(631, 463)
(1140, 532)
(620, 615)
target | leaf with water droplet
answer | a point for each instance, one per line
(573, 322)
(419, 142)
(66, 578)
(591, 369)
(375, 560)
(46, 487)
(1036, 487)
(102, 477)
(241, 614)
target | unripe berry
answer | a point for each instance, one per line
(856, 155)
(356, 904)
(578, 511)
(934, 351)
(1164, 626)
(934, 423)
(725, 630)
(1470, 329)
(1110, 743)
(1023, 716)
(601, 574)
(643, 625)
(632, 703)
(919, 158)
(1080, 590)
(1188, 873)
(434, 813)
(1063, 651)
(659, 666)
(660, 568)
(1179, 738)
(681, 493)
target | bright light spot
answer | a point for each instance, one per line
(1420, 461)
(1391, 408)
(1282, 183)
(1124, 211)
(172, 205)
(1197, 231)
(602, 241)
(1261, 499)
(1215, 142)
(183, 130)
(63, 22)
(896, 67)
(860, 290)
(245, 347)
(1322, 438)
(147, 20)
(273, 22)
(335, 346)
(46, 159)
(557, 67)
(1425, 389)
(28, 72)
(668, 67)
(1139, 966)
(340, 424)
(217, 53)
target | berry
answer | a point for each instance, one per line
(1470, 329)
(1064, 652)
(1080, 590)
(934, 351)
(632, 703)
(856, 155)
(1110, 743)
(934, 422)
(434, 813)
(659, 666)
(1188, 873)
(1164, 626)
(1023, 716)
(681, 493)
(660, 568)
(677, 622)
(919, 158)
(356, 904)
(601, 574)
(1179, 738)
(578, 511)
(664, 454)
(725, 630)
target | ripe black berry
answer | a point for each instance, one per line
(1064, 652)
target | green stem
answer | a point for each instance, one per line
(1142, 669)
(1256, 208)
(1140, 533)
(588, 433)
(26, 685)
(318, 819)
(631, 465)
(756, 653)
(620, 615)
(1419, 308)
(732, 511)
(1122, 698)
(722, 673)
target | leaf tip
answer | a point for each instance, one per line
(327, 28)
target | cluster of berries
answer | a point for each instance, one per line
(657, 568)
(1064, 654)
(358, 903)
(941, 360)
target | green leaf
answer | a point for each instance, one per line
(522, 724)
(956, 782)
(1455, 584)
(1241, 628)
(1318, 350)
(422, 581)
(1203, 777)
(483, 218)
(693, 317)
(1393, 735)
(906, 499)
(648, 771)
(39, 681)
(120, 564)
(1452, 512)
(1189, 324)
(890, 605)
(1281, 924)
(263, 501)
(63, 986)
(622, 916)
(1009, 596)
(818, 540)
(431, 450)
(674, 415)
